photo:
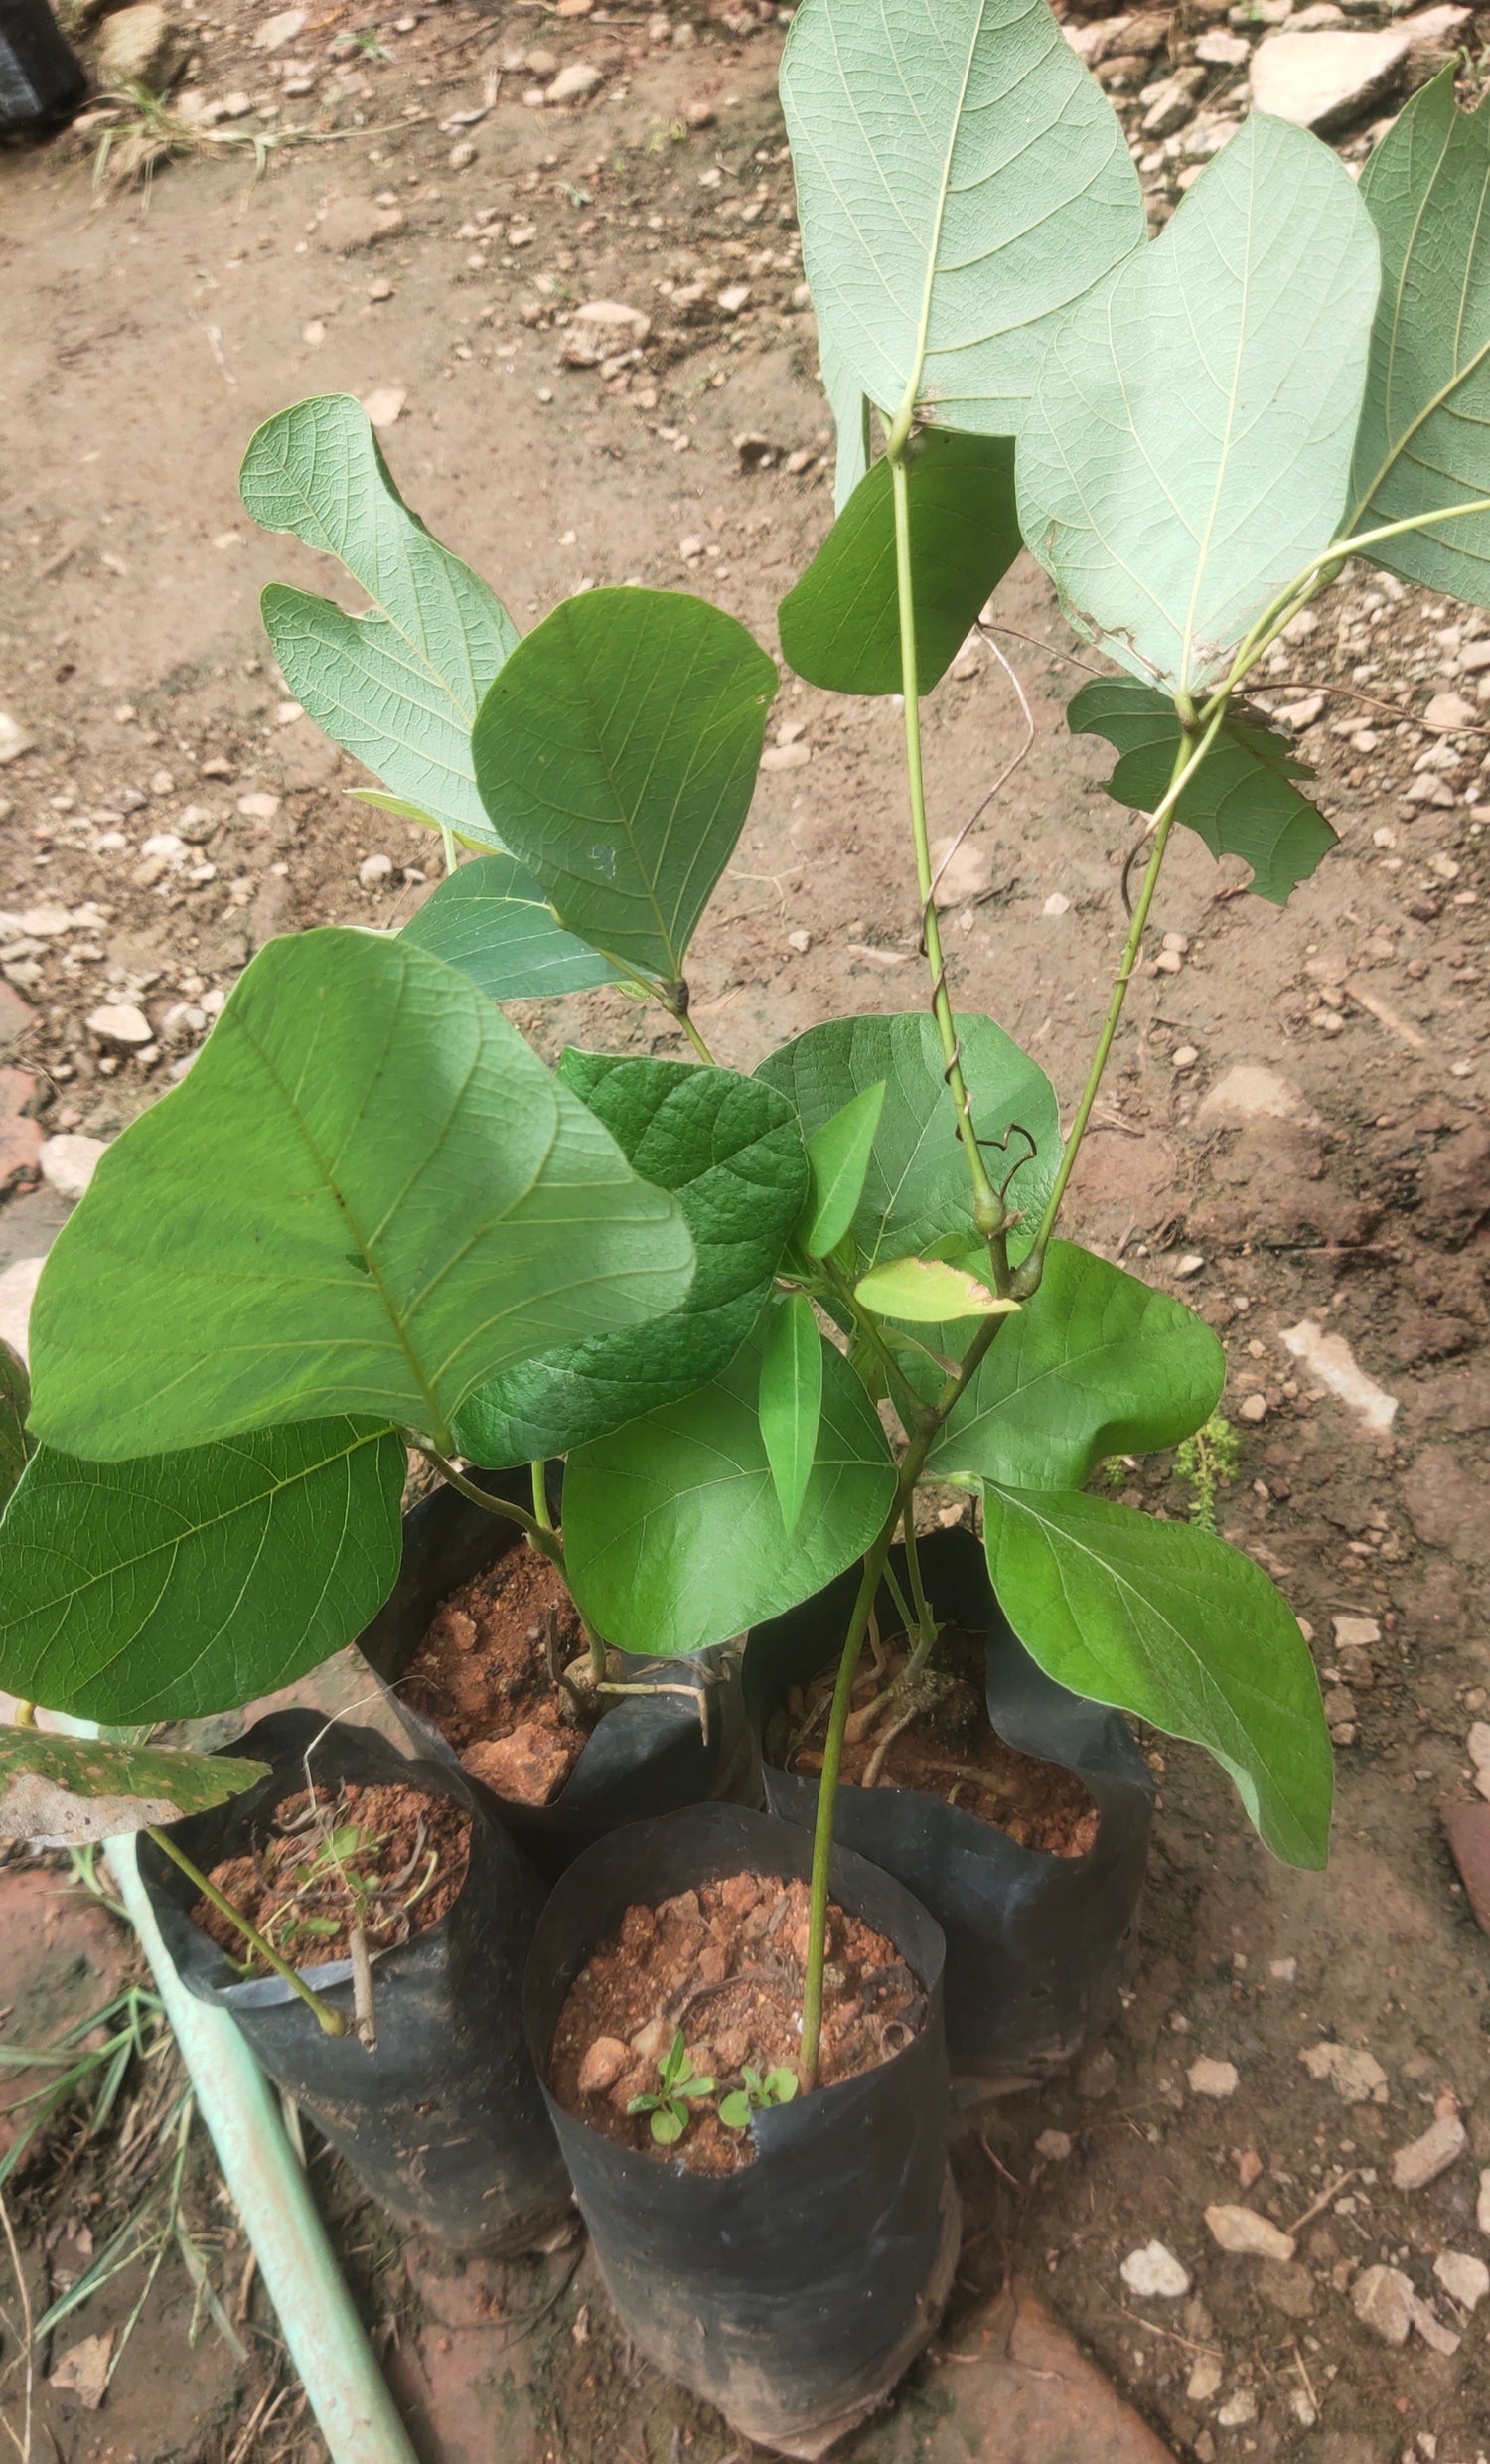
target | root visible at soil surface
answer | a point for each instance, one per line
(483, 1676)
(391, 1859)
(932, 1733)
(724, 1964)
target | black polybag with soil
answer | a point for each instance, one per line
(648, 1755)
(41, 80)
(793, 2292)
(1037, 1946)
(442, 2119)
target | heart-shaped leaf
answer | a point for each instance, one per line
(617, 755)
(180, 1585)
(1242, 801)
(926, 1291)
(1167, 1623)
(1424, 438)
(369, 1196)
(399, 686)
(1096, 1364)
(673, 1535)
(731, 1151)
(839, 1153)
(491, 921)
(67, 1791)
(1188, 446)
(916, 1189)
(791, 1400)
(15, 1403)
(961, 180)
(841, 626)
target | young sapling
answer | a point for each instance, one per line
(681, 2086)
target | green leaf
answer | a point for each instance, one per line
(781, 2086)
(730, 1149)
(65, 1792)
(839, 1153)
(916, 1189)
(369, 1196)
(961, 180)
(791, 1400)
(1188, 447)
(841, 626)
(672, 1532)
(399, 686)
(1170, 1624)
(1242, 801)
(667, 2127)
(491, 921)
(180, 1585)
(15, 1403)
(734, 2110)
(1096, 1364)
(1425, 439)
(617, 755)
(926, 1292)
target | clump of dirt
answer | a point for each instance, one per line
(723, 1963)
(389, 1858)
(483, 1674)
(948, 1748)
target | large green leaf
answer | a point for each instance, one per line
(399, 686)
(491, 920)
(1188, 447)
(369, 1196)
(1094, 1364)
(672, 1534)
(841, 626)
(1242, 801)
(178, 1585)
(961, 180)
(791, 1400)
(916, 1189)
(731, 1151)
(65, 1792)
(1425, 439)
(617, 754)
(15, 1403)
(1167, 1623)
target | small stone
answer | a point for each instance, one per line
(120, 1026)
(699, 114)
(800, 940)
(1355, 2077)
(526, 1767)
(1054, 2146)
(141, 45)
(1220, 49)
(1284, 1971)
(1450, 711)
(1382, 2299)
(652, 2040)
(1155, 2274)
(733, 298)
(1433, 2330)
(14, 741)
(1424, 2159)
(1482, 2204)
(1253, 1408)
(786, 757)
(1324, 81)
(1237, 2411)
(963, 871)
(351, 223)
(278, 30)
(373, 870)
(381, 289)
(68, 1160)
(384, 406)
(1247, 1093)
(573, 84)
(1212, 2079)
(1205, 2378)
(1356, 1633)
(1097, 2074)
(1184, 1056)
(1056, 904)
(1171, 102)
(1190, 1264)
(602, 2065)
(1466, 2278)
(1247, 2235)
(461, 156)
(1329, 1358)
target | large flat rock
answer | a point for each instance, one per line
(1327, 80)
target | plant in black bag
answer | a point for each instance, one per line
(757, 1314)
(679, 2086)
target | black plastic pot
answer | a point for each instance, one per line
(793, 2294)
(648, 1756)
(41, 81)
(443, 2120)
(1037, 1946)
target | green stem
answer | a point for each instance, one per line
(541, 1515)
(1192, 752)
(693, 1036)
(332, 2021)
(987, 1207)
(926, 1624)
(546, 1540)
(903, 1608)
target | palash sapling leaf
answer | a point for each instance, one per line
(791, 1400)
(369, 1196)
(1189, 443)
(69, 1791)
(399, 686)
(490, 919)
(839, 1153)
(926, 1292)
(840, 625)
(15, 1403)
(1242, 801)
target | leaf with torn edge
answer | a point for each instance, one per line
(64, 1791)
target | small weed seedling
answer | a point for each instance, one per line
(1208, 1463)
(778, 2087)
(681, 2085)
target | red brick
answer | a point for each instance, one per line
(1021, 2390)
(1468, 1828)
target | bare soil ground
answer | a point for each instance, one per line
(142, 344)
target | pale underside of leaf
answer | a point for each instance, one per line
(69, 1791)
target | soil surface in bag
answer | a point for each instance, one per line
(483, 1675)
(441, 2116)
(723, 1964)
(391, 1859)
(948, 1748)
